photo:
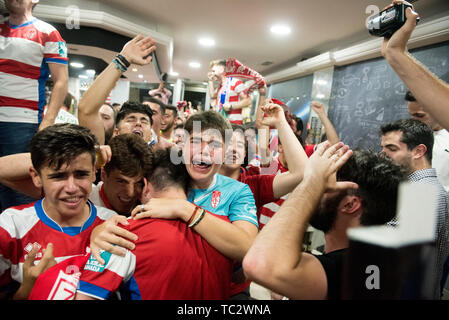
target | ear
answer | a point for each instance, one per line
(115, 132)
(103, 175)
(419, 151)
(35, 177)
(350, 205)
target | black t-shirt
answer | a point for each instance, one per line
(332, 263)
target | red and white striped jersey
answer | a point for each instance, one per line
(25, 52)
(229, 92)
(23, 226)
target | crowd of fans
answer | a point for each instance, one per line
(148, 200)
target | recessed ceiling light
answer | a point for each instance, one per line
(77, 65)
(174, 73)
(135, 69)
(194, 64)
(280, 29)
(140, 76)
(207, 42)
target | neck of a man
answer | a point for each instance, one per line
(66, 220)
(336, 239)
(167, 133)
(230, 172)
(171, 193)
(420, 164)
(18, 19)
(203, 184)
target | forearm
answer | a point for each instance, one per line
(429, 91)
(281, 239)
(212, 91)
(227, 238)
(57, 97)
(94, 98)
(263, 133)
(241, 103)
(331, 133)
(294, 153)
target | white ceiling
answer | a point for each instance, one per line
(241, 28)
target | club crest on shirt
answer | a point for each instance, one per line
(216, 195)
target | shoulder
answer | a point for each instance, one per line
(104, 213)
(17, 221)
(44, 27)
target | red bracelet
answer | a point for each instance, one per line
(193, 215)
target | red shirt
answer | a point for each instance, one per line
(170, 262)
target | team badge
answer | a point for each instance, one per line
(216, 195)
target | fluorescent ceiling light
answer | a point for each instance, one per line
(280, 29)
(90, 72)
(83, 76)
(77, 65)
(194, 64)
(207, 42)
(140, 76)
(174, 73)
(135, 69)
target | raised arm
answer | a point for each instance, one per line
(431, 92)
(14, 173)
(134, 52)
(275, 260)
(294, 153)
(331, 133)
(60, 76)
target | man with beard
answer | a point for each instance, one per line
(108, 114)
(338, 192)
(168, 122)
(409, 143)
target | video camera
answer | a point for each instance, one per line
(388, 21)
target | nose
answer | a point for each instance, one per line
(70, 185)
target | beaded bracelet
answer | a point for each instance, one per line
(194, 223)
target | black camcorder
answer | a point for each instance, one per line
(388, 21)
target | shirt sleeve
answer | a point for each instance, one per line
(55, 49)
(99, 281)
(262, 188)
(243, 207)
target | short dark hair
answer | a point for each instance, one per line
(172, 108)
(409, 96)
(414, 133)
(130, 155)
(157, 101)
(133, 107)
(209, 119)
(166, 173)
(60, 144)
(378, 178)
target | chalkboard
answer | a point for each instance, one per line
(296, 95)
(368, 94)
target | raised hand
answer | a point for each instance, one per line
(324, 164)
(138, 49)
(274, 114)
(399, 39)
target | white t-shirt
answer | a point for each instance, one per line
(440, 157)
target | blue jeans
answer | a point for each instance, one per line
(14, 138)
